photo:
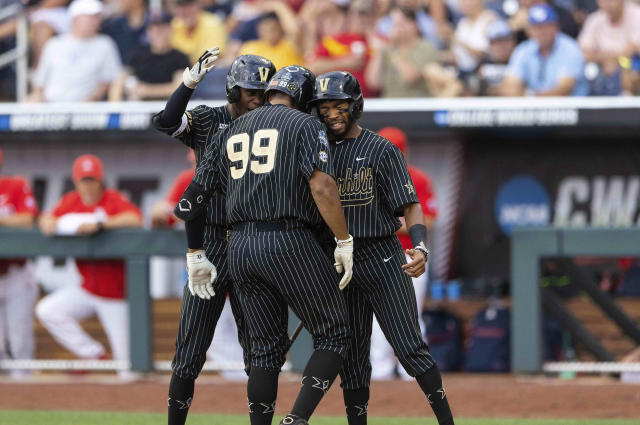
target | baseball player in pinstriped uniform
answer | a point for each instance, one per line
(246, 80)
(375, 188)
(280, 184)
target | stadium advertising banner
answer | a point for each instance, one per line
(546, 182)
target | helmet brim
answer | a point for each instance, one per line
(252, 85)
(331, 96)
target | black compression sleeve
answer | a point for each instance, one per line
(176, 105)
(195, 232)
(418, 233)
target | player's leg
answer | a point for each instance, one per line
(225, 348)
(114, 317)
(198, 320)
(21, 292)
(383, 360)
(394, 303)
(266, 316)
(61, 311)
(420, 289)
(356, 369)
(241, 328)
(294, 262)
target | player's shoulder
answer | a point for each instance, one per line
(186, 175)
(13, 182)
(114, 195)
(377, 142)
(69, 199)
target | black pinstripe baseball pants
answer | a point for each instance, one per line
(379, 286)
(275, 268)
(199, 317)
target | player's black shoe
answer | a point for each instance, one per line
(293, 420)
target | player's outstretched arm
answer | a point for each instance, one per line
(325, 194)
(177, 103)
(414, 219)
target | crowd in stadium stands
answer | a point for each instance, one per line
(84, 50)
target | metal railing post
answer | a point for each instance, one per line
(22, 67)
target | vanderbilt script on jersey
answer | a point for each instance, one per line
(356, 188)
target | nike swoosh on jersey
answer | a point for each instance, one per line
(360, 159)
(387, 259)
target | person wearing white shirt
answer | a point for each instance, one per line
(78, 66)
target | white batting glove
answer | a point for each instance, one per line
(344, 260)
(201, 275)
(192, 76)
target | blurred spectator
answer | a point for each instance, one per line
(8, 29)
(155, 70)
(519, 21)
(242, 23)
(550, 64)
(78, 66)
(491, 71)
(86, 211)
(470, 42)
(194, 30)
(397, 68)
(221, 8)
(46, 18)
(162, 212)
(426, 24)
(128, 28)
(18, 287)
(342, 29)
(273, 43)
(609, 34)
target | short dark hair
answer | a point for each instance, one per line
(269, 15)
(408, 13)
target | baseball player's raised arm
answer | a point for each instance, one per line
(187, 126)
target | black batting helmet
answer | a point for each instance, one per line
(248, 72)
(296, 82)
(338, 85)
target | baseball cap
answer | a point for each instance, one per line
(85, 7)
(159, 18)
(498, 29)
(87, 166)
(542, 14)
(395, 136)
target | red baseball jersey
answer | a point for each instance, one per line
(344, 45)
(427, 199)
(177, 189)
(104, 278)
(16, 197)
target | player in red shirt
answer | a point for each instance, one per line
(18, 287)
(382, 357)
(162, 213)
(89, 209)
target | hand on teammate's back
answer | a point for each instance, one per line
(201, 275)
(192, 76)
(344, 260)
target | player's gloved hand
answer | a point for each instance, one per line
(344, 260)
(192, 76)
(201, 275)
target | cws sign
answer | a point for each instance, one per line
(546, 181)
(598, 201)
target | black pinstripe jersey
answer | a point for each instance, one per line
(267, 157)
(373, 182)
(197, 130)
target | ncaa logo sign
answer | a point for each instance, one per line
(522, 201)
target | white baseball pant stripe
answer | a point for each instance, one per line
(18, 294)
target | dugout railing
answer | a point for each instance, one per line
(529, 299)
(135, 247)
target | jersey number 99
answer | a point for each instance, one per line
(264, 145)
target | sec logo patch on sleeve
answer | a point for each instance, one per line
(324, 157)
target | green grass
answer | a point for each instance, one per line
(10, 417)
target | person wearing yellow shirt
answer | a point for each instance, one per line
(272, 43)
(195, 30)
